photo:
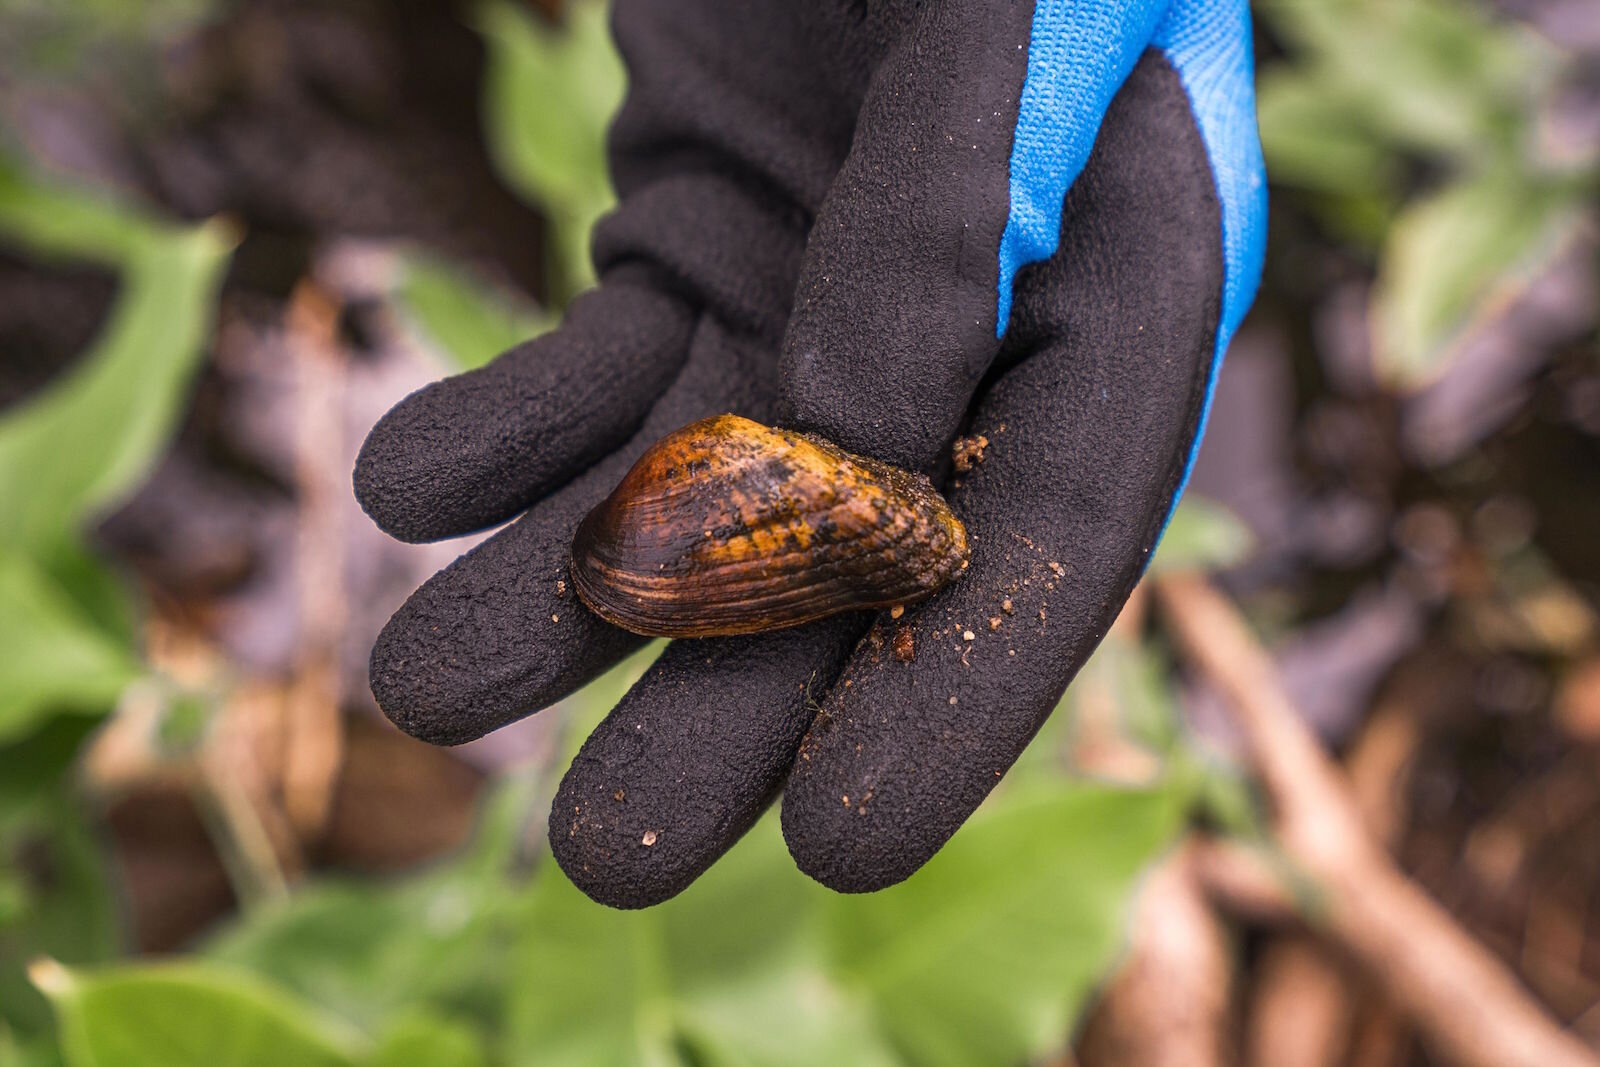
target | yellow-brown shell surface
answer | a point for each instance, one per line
(730, 527)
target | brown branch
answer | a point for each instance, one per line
(1242, 881)
(314, 733)
(1301, 1009)
(1169, 1004)
(1467, 1006)
(1303, 1001)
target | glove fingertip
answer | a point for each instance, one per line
(416, 708)
(451, 458)
(394, 485)
(614, 852)
(474, 449)
(825, 840)
(686, 763)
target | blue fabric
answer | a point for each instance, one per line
(1079, 54)
(1208, 43)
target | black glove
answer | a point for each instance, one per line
(826, 208)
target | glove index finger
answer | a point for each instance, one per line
(976, 123)
(475, 449)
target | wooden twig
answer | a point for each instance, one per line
(232, 768)
(1242, 879)
(1300, 1013)
(1467, 1006)
(1170, 1003)
(1304, 1002)
(239, 767)
(314, 733)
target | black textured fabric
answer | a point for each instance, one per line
(685, 764)
(735, 120)
(846, 162)
(737, 116)
(472, 450)
(1087, 434)
(893, 322)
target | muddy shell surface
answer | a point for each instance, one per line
(731, 527)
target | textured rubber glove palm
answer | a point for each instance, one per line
(889, 223)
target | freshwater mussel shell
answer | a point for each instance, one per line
(731, 527)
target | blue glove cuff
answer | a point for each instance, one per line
(1079, 54)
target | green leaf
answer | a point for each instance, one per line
(789, 1013)
(1225, 797)
(988, 954)
(548, 96)
(69, 912)
(425, 1039)
(1201, 535)
(95, 587)
(36, 1053)
(55, 39)
(91, 437)
(1372, 92)
(1436, 77)
(589, 989)
(370, 952)
(468, 319)
(1314, 139)
(50, 221)
(186, 1015)
(1146, 701)
(984, 957)
(14, 898)
(726, 973)
(56, 659)
(1137, 681)
(37, 764)
(335, 943)
(1456, 258)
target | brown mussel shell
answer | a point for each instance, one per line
(730, 527)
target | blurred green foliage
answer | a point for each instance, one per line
(189, 1012)
(49, 39)
(548, 96)
(984, 957)
(57, 661)
(1454, 258)
(111, 16)
(466, 319)
(86, 441)
(66, 622)
(1414, 127)
(1201, 535)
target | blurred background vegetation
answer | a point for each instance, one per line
(233, 232)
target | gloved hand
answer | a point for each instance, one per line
(888, 222)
